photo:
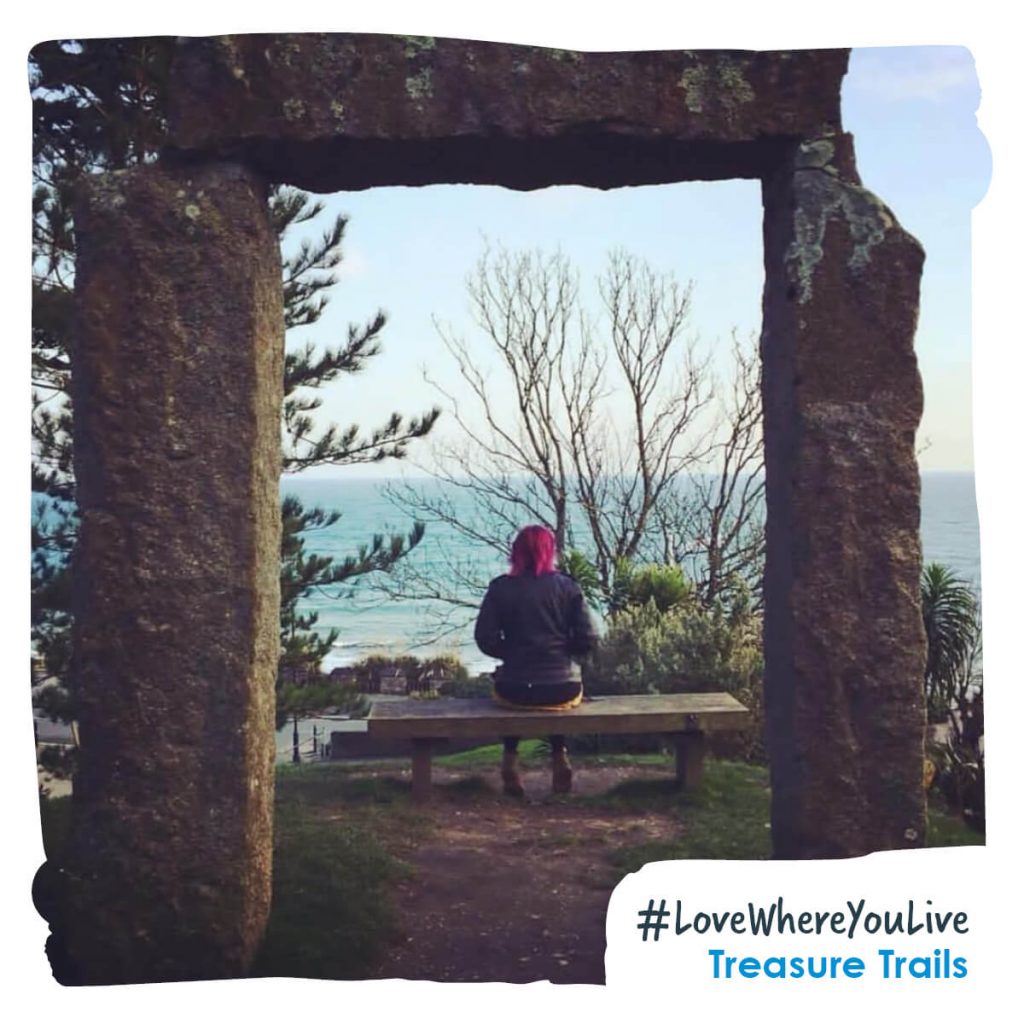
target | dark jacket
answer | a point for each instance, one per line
(536, 625)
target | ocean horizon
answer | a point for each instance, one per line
(371, 622)
(375, 625)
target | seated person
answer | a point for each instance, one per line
(534, 619)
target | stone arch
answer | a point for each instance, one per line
(177, 391)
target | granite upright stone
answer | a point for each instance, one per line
(177, 388)
(844, 637)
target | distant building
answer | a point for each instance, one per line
(345, 676)
(295, 675)
(394, 681)
(428, 682)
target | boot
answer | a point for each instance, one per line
(513, 784)
(561, 772)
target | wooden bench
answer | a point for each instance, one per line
(687, 717)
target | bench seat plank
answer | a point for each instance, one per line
(457, 718)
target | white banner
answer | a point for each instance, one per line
(886, 929)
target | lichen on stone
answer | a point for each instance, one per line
(337, 109)
(566, 56)
(293, 108)
(693, 82)
(420, 86)
(851, 427)
(873, 220)
(720, 84)
(815, 153)
(735, 88)
(230, 47)
(105, 189)
(820, 199)
(288, 49)
(415, 45)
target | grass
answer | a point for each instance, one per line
(945, 829)
(482, 758)
(537, 752)
(332, 909)
(342, 834)
(726, 817)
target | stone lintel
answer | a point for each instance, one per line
(177, 390)
(332, 112)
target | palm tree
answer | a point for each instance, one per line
(950, 610)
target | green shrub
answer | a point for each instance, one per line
(686, 648)
(447, 667)
(952, 625)
(316, 695)
(478, 686)
(954, 690)
(667, 586)
(583, 571)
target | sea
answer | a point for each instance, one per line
(370, 619)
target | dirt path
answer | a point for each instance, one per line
(515, 891)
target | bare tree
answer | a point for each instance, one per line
(623, 474)
(516, 460)
(597, 429)
(714, 527)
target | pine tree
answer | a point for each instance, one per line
(98, 105)
(304, 573)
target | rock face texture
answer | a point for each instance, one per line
(331, 112)
(177, 396)
(844, 640)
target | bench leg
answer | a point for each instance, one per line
(690, 750)
(421, 755)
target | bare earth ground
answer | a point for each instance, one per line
(515, 891)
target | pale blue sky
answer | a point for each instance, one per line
(912, 113)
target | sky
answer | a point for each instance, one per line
(408, 251)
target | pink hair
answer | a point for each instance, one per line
(533, 552)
